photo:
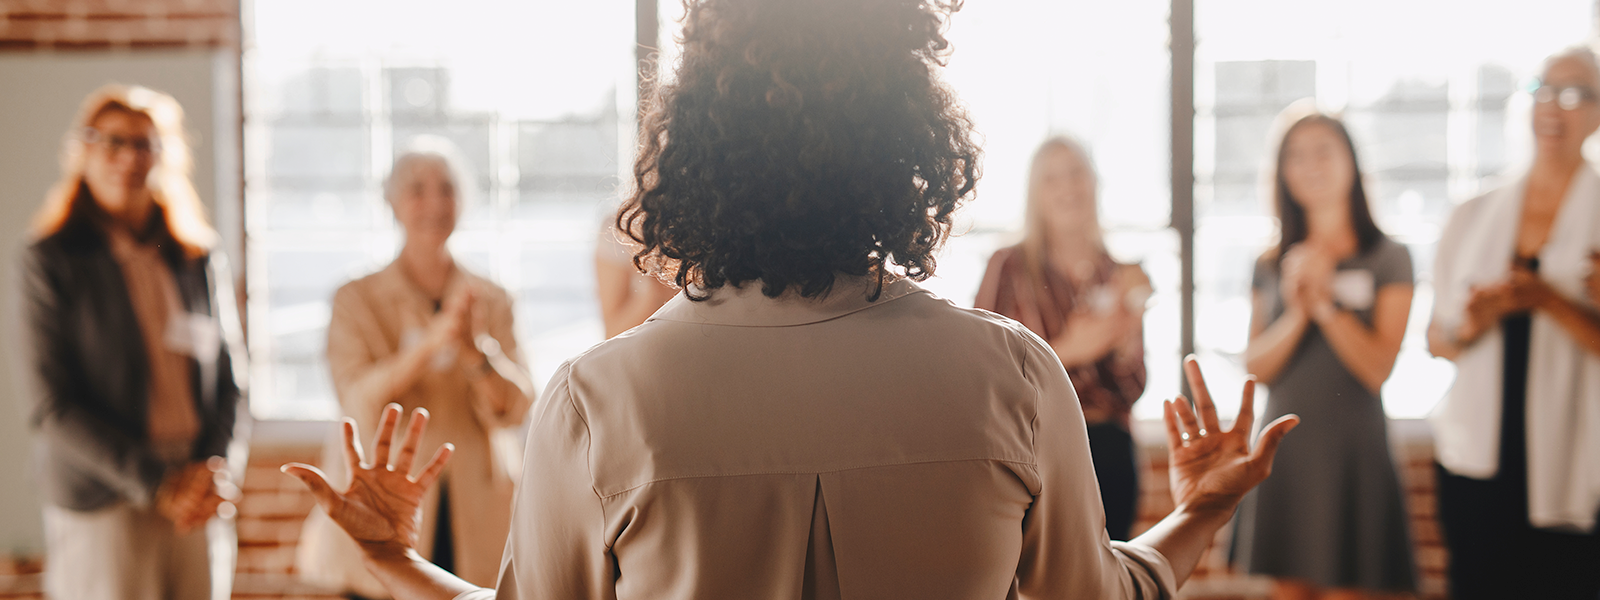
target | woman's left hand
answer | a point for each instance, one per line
(1211, 469)
(382, 509)
(1528, 291)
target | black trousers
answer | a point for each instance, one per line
(1116, 467)
(1495, 554)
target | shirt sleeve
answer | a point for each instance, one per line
(350, 361)
(1264, 274)
(557, 547)
(989, 290)
(1394, 267)
(73, 426)
(1066, 552)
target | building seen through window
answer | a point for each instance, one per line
(544, 118)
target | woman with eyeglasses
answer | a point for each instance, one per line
(805, 421)
(138, 363)
(1518, 435)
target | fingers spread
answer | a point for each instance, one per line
(317, 482)
(352, 445)
(408, 448)
(1271, 437)
(1197, 383)
(386, 427)
(1191, 426)
(435, 466)
(1247, 408)
(1170, 415)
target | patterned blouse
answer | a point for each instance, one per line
(1111, 383)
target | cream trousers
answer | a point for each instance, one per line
(124, 553)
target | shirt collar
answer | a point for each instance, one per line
(396, 285)
(746, 306)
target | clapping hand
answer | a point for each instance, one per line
(1307, 278)
(190, 496)
(452, 326)
(382, 509)
(1212, 468)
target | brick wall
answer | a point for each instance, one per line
(1215, 578)
(270, 515)
(94, 24)
(274, 506)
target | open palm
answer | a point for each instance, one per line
(383, 506)
(1212, 468)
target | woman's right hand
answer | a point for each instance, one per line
(1091, 335)
(1211, 469)
(382, 509)
(1307, 277)
(452, 326)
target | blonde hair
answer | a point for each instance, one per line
(1035, 239)
(169, 182)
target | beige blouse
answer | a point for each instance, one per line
(172, 422)
(374, 318)
(750, 447)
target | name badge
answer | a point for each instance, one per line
(193, 335)
(1354, 289)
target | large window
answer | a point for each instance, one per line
(1095, 70)
(336, 88)
(539, 97)
(1430, 91)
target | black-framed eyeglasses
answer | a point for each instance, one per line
(116, 143)
(1568, 97)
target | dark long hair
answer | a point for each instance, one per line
(801, 140)
(1292, 225)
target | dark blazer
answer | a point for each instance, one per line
(92, 376)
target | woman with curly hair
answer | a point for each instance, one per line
(805, 421)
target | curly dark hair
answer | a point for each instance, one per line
(801, 140)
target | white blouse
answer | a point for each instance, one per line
(752, 447)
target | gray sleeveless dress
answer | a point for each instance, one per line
(1333, 512)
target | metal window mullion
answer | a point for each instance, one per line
(1181, 44)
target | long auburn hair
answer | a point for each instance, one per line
(69, 203)
(1292, 225)
(1035, 239)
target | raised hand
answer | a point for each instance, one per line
(1212, 468)
(382, 509)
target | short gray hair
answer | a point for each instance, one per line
(1583, 52)
(434, 149)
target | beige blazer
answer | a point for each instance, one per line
(751, 447)
(373, 319)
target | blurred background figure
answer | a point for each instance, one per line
(1518, 435)
(627, 297)
(135, 341)
(425, 332)
(1329, 311)
(1063, 285)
